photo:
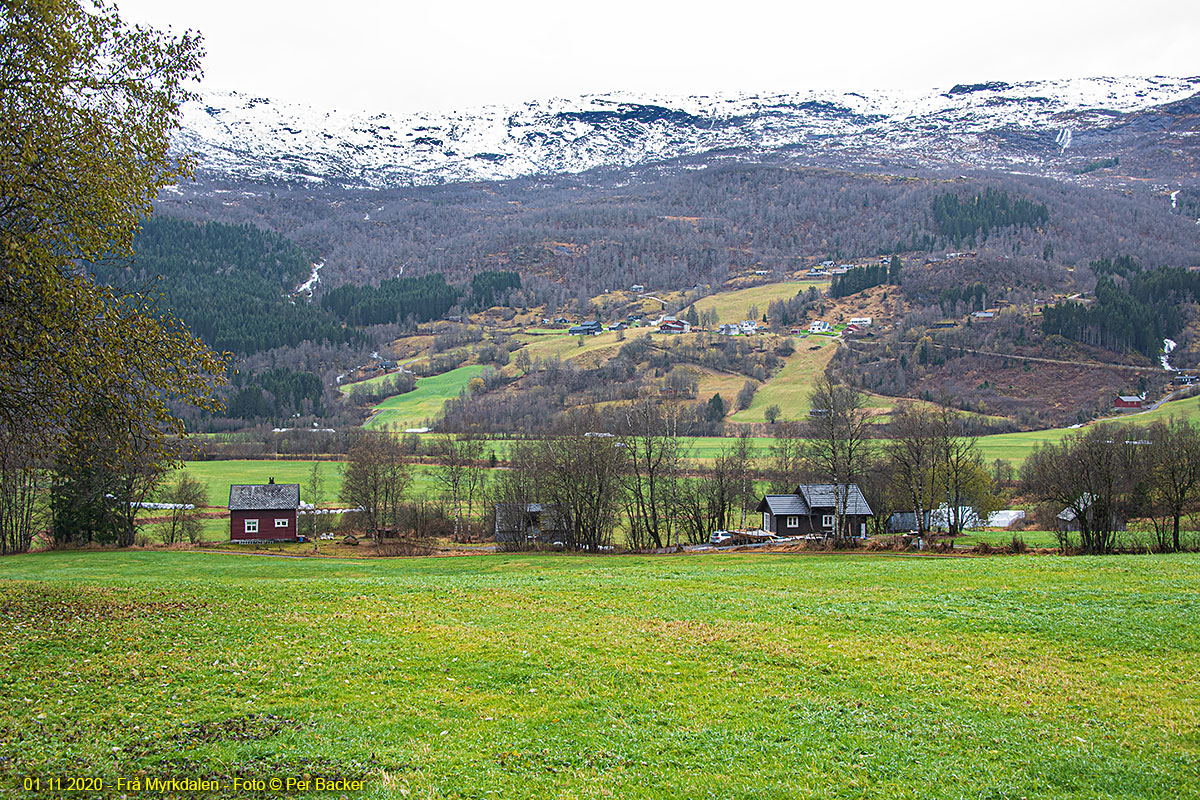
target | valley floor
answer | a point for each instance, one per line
(545, 676)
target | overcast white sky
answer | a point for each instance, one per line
(440, 55)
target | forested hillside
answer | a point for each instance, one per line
(703, 221)
(229, 283)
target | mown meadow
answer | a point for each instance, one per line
(731, 675)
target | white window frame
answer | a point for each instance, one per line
(281, 523)
(251, 526)
(793, 521)
(828, 520)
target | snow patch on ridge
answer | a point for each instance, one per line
(258, 138)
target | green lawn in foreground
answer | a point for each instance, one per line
(728, 676)
(424, 404)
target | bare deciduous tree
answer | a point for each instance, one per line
(787, 465)
(839, 445)
(375, 477)
(181, 523)
(651, 442)
(912, 451)
(1174, 472)
(1086, 474)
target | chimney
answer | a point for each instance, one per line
(270, 480)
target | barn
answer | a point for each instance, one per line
(264, 512)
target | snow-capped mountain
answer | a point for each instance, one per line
(1028, 126)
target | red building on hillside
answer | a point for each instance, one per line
(1128, 401)
(264, 512)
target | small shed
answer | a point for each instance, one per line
(532, 523)
(1128, 401)
(1068, 518)
(264, 512)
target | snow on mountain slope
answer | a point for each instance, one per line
(988, 125)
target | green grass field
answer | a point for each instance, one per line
(1045, 539)
(217, 476)
(734, 306)
(559, 343)
(791, 386)
(351, 388)
(424, 404)
(724, 676)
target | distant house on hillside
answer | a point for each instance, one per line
(862, 322)
(674, 326)
(264, 512)
(729, 329)
(1129, 401)
(589, 328)
(748, 326)
(820, 326)
(637, 287)
(812, 509)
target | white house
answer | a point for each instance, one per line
(820, 326)
(728, 329)
(637, 287)
(748, 326)
(862, 322)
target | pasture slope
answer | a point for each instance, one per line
(734, 305)
(732, 676)
(423, 405)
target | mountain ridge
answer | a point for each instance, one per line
(1035, 126)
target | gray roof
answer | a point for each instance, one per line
(264, 496)
(821, 495)
(1085, 501)
(783, 504)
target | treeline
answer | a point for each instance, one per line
(973, 296)
(275, 394)
(418, 299)
(1133, 311)
(572, 237)
(1092, 166)
(862, 278)
(490, 287)
(974, 219)
(227, 283)
(783, 314)
(1108, 474)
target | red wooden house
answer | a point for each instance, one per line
(264, 512)
(1128, 401)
